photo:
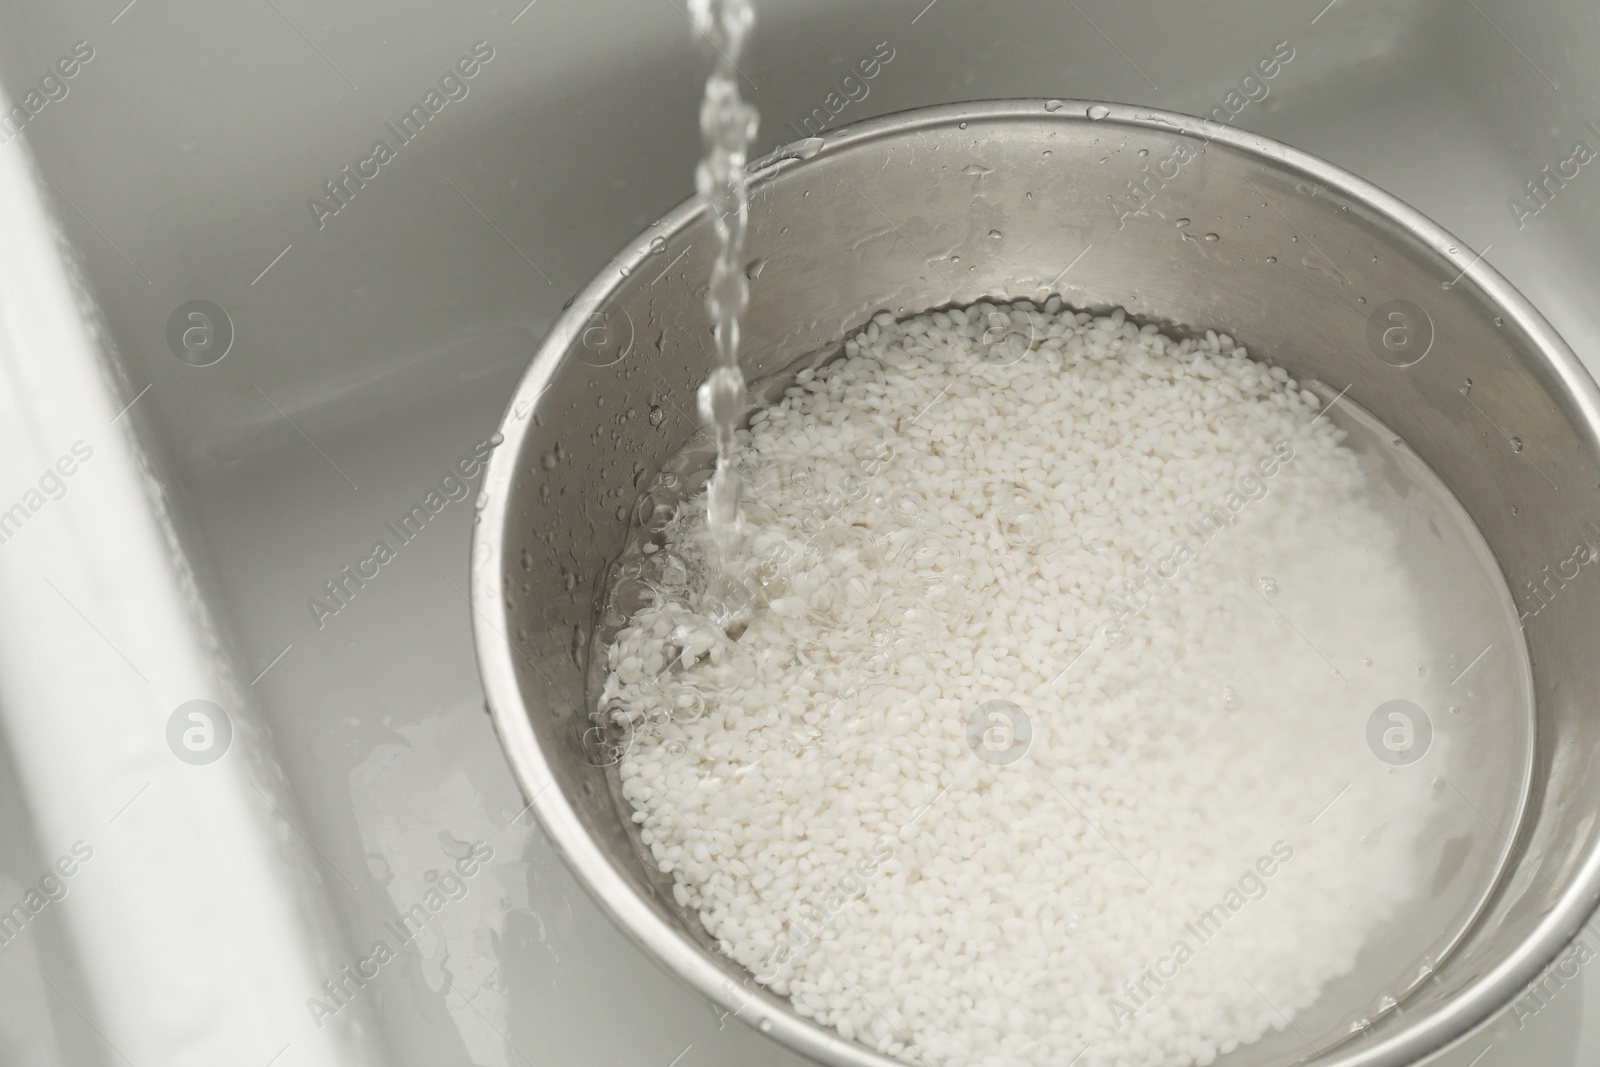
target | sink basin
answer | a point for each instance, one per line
(362, 319)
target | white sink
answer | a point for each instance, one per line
(373, 348)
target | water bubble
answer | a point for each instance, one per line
(1212, 237)
(1516, 444)
(656, 415)
(688, 705)
(624, 271)
(1272, 259)
(1466, 387)
(996, 234)
(658, 246)
(1145, 152)
(1023, 524)
(1231, 700)
(1054, 105)
(1098, 112)
(1498, 321)
(807, 148)
(1181, 223)
(1269, 586)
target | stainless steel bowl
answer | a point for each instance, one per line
(1310, 267)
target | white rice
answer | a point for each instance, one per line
(935, 528)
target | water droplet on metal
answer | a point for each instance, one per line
(975, 170)
(1231, 700)
(961, 126)
(1098, 112)
(1269, 586)
(1054, 105)
(656, 415)
(1212, 237)
(1516, 444)
(658, 246)
(1272, 259)
(996, 234)
(1181, 223)
(549, 461)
